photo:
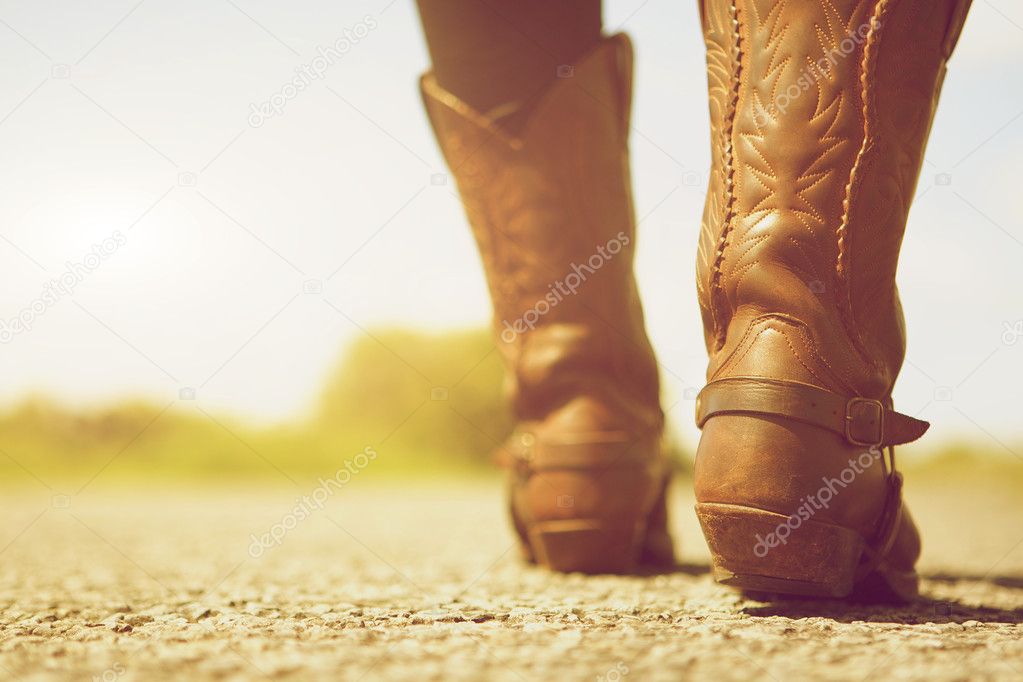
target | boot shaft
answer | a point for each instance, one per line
(552, 214)
(820, 113)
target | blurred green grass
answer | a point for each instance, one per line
(425, 404)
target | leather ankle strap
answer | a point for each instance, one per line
(867, 422)
(526, 453)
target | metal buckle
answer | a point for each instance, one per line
(879, 407)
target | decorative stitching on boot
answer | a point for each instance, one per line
(834, 379)
(716, 290)
(842, 264)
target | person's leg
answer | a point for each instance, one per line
(547, 193)
(820, 113)
(498, 56)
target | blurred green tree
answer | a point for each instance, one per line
(438, 395)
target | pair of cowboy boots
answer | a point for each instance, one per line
(819, 117)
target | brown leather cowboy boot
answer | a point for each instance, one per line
(820, 113)
(552, 213)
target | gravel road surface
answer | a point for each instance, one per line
(423, 582)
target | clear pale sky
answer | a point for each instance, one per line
(134, 117)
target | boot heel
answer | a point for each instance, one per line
(748, 552)
(586, 545)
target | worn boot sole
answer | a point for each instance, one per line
(750, 552)
(587, 545)
(599, 546)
